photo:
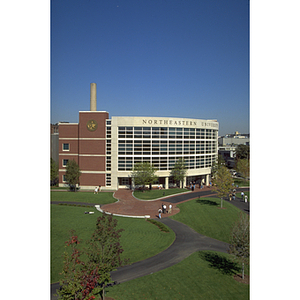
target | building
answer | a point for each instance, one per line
(228, 144)
(54, 135)
(234, 139)
(106, 149)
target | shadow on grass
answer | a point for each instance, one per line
(206, 202)
(219, 262)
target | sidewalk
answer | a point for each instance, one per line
(130, 206)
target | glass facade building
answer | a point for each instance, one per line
(161, 142)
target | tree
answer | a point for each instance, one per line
(72, 174)
(83, 280)
(243, 167)
(143, 174)
(240, 240)
(179, 170)
(216, 165)
(222, 182)
(104, 251)
(53, 172)
(71, 283)
(242, 152)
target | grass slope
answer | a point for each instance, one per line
(87, 197)
(205, 216)
(140, 239)
(204, 275)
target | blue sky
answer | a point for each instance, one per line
(165, 58)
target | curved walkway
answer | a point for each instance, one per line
(187, 240)
(128, 205)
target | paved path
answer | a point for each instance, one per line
(187, 240)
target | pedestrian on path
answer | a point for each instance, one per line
(170, 209)
(242, 194)
(159, 213)
(246, 198)
(233, 195)
(165, 208)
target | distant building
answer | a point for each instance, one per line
(228, 144)
(54, 140)
(234, 139)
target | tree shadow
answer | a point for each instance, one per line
(219, 262)
(206, 202)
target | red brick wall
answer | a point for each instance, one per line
(68, 130)
(92, 147)
(92, 179)
(92, 163)
(85, 143)
(99, 117)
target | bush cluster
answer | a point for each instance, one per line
(161, 226)
(78, 205)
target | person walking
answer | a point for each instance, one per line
(159, 213)
(96, 190)
(170, 209)
(246, 198)
(242, 194)
(165, 208)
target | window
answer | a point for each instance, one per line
(108, 163)
(172, 133)
(108, 132)
(65, 161)
(66, 147)
(108, 147)
(64, 178)
(108, 179)
(138, 132)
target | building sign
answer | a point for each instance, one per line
(180, 123)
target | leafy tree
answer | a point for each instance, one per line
(222, 182)
(143, 174)
(71, 283)
(53, 172)
(216, 165)
(179, 170)
(72, 174)
(242, 152)
(104, 251)
(240, 240)
(85, 279)
(243, 167)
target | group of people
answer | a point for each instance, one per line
(163, 210)
(232, 196)
(201, 184)
(244, 197)
(97, 189)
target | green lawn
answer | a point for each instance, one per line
(140, 239)
(156, 194)
(87, 197)
(241, 182)
(205, 216)
(204, 275)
